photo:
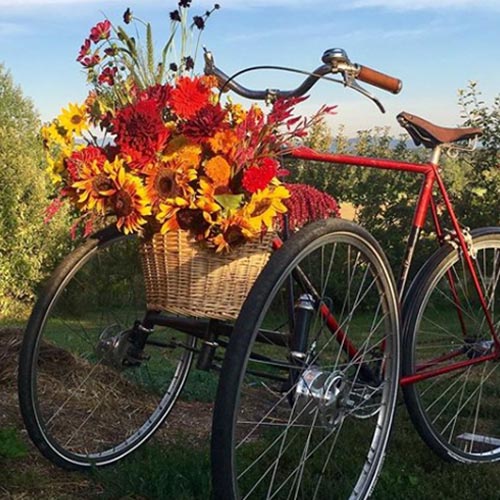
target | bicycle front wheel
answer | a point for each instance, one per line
(456, 410)
(308, 415)
(83, 402)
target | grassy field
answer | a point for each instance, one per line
(178, 466)
(411, 471)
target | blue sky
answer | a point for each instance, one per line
(434, 46)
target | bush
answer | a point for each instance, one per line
(28, 246)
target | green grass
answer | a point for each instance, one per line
(181, 471)
(411, 471)
(11, 444)
(159, 472)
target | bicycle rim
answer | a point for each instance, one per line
(456, 413)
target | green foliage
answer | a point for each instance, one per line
(27, 245)
(412, 470)
(383, 200)
(478, 200)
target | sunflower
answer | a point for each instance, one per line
(160, 183)
(206, 197)
(264, 206)
(167, 214)
(54, 170)
(54, 135)
(234, 230)
(129, 202)
(74, 119)
(96, 184)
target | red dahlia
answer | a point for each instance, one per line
(140, 131)
(258, 177)
(205, 123)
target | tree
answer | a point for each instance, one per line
(477, 181)
(28, 246)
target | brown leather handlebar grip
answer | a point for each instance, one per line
(379, 80)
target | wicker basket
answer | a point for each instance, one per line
(184, 278)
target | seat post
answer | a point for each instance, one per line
(436, 155)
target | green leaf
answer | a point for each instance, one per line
(229, 201)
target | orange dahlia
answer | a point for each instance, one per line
(189, 96)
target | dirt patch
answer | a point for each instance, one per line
(33, 476)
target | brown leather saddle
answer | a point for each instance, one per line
(430, 135)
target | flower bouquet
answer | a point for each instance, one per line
(155, 149)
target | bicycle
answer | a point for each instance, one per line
(449, 355)
(296, 374)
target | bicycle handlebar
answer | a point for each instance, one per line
(259, 95)
(378, 79)
(335, 61)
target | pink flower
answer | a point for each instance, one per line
(84, 50)
(100, 31)
(307, 204)
(107, 76)
(90, 61)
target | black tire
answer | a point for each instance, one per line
(455, 413)
(265, 393)
(82, 409)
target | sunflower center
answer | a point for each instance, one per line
(165, 185)
(76, 119)
(261, 207)
(123, 203)
(102, 183)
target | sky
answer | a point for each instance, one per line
(435, 46)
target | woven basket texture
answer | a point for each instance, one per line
(183, 277)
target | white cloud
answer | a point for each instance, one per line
(245, 4)
(425, 4)
(40, 3)
(9, 29)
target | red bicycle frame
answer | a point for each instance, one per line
(426, 201)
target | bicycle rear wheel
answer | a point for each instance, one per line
(457, 412)
(298, 416)
(83, 404)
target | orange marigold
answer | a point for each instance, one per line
(218, 170)
(223, 141)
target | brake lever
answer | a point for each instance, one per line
(356, 86)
